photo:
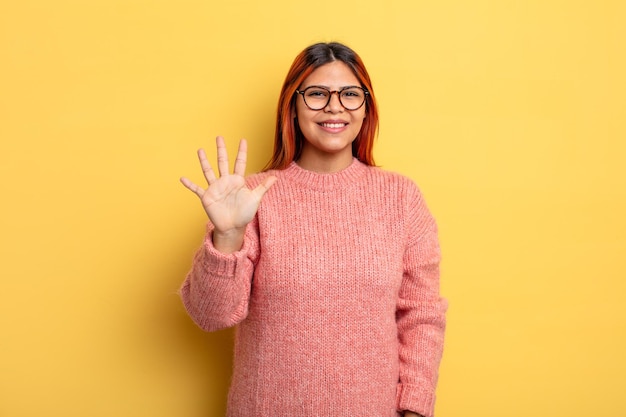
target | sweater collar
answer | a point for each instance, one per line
(323, 181)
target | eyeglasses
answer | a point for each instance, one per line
(316, 98)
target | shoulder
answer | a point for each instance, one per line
(394, 181)
(402, 192)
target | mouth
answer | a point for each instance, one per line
(334, 125)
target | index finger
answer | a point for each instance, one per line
(206, 167)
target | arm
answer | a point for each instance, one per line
(216, 290)
(420, 313)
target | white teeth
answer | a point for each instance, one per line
(333, 125)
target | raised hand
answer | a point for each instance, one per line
(227, 201)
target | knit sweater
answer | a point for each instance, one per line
(335, 294)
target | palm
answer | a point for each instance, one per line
(227, 201)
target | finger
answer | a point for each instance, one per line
(192, 187)
(242, 156)
(262, 188)
(207, 170)
(222, 156)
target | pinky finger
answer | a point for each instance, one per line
(192, 187)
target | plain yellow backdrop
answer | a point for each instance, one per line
(510, 115)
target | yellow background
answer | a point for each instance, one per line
(510, 115)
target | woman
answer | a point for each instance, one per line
(328, 265)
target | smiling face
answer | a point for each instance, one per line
(329, 132)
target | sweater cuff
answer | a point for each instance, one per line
(221, 264)
(415, 398)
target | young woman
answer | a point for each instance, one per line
(328, 265)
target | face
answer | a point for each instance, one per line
(329, 132)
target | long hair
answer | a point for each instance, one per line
(288, 139)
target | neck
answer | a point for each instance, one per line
(324, 163)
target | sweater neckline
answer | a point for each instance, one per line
(326, 181)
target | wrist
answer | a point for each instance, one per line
(228, 241)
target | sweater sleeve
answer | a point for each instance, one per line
(216, 291)
(420, 313)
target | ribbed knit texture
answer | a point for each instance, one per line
(335, 295)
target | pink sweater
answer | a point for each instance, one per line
(335, 295)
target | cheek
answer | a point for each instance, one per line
(361, 118)
(359, 114)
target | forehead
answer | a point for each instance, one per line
(333, 75)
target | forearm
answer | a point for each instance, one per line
(421, 319)
(217, 288)
(421, 332)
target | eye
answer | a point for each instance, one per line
(352, 93)
(316, 93)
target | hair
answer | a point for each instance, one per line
(288, 139)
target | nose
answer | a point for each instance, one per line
(334, 103)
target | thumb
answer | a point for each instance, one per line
(262, 188)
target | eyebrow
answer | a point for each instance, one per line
(328, 88)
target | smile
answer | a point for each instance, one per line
(333, 125)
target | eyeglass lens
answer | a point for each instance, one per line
(316, 98)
